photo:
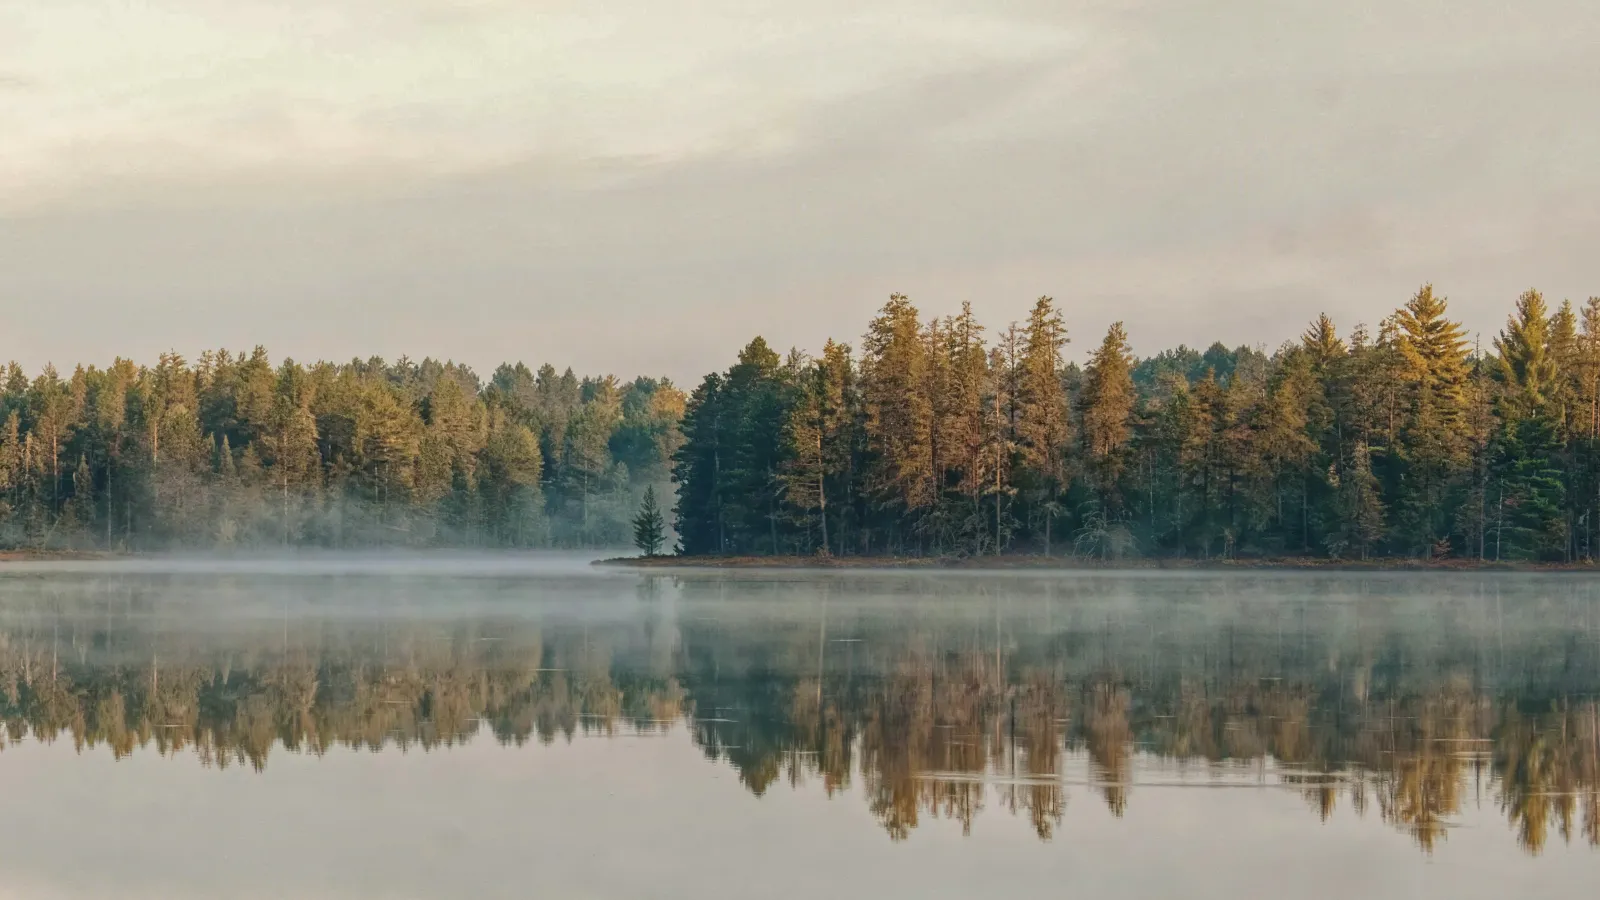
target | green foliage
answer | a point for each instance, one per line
(1107, 403)
(649, 529)
(931, 441)
(1404, 444)
(232, 451)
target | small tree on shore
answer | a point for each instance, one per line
(649, 529)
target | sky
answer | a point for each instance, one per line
(640, 187)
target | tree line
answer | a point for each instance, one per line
(938, 439)
(232, 450)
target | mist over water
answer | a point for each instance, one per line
(449, 725)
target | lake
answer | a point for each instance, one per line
(512, 727)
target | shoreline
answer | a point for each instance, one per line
(1069, 564)
(48, 555)
(1019, 563)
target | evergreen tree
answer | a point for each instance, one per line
(80, 510)
(963, 428)
(1041, 415)
(589, 472)
(1528, 521)
(698, 470)
(1107, 405)
(511, 465)
(898, 417)
(649, 531)
(1284, 453)
(1526, 365)
(841, 438)
(1432, 453)
(1404, 444)
(758, 392)
(806, 471)
(1360, 524)
(1322, 342)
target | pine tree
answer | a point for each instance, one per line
(1528, 521)
(758, 394)
(80, 510)
(806, 470)
(999, 455)
(1525, 362)
(1585, 493)
(1587, 369)
(1322, 342)
(292, 461)
(841, 436)
(1562, 345)
(1284, 452)
(1530, 517)
(1041, 414)
(698, 470)
(1361, 512)
(1204, 488)
(511, 465)
(898, 416)
(963, 429)
(649, 531)
(1107, 406)
(10, 475)
(53, 416)
(1432, 452)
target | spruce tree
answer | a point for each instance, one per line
(649, 531)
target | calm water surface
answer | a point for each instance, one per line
(507, 728)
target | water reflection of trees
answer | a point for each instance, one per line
(938, 714)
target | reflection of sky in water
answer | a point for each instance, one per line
(595, 735)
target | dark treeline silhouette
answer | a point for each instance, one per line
(1409, 442)
(927, 701)
(231, 451)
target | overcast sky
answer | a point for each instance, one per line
(639, 187)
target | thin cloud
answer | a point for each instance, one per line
(441, 88)
(400, 171)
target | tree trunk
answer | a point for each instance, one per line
(822, 501)
(108, 500)
(1500, 523)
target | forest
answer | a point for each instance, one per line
(935, 438)
(234, 451)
